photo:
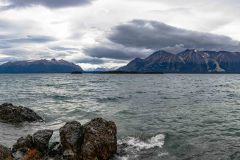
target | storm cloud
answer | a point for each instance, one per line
(46, 3)
(156, 35)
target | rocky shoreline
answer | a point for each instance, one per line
(96, 140)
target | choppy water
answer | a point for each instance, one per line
(162, 117)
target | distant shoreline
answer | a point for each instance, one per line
(129, 73)
(121, 72)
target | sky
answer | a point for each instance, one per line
(110, 33)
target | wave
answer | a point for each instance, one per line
(131, 147)
(156, 141)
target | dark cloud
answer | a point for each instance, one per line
(156, 35)
(113, 53)
(46, 3)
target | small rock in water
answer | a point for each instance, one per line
(71, 136)
(100, 140)
(17, 114)
(5, 153)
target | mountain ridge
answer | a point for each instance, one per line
(39, 66)
(187, 61)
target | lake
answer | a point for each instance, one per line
(159, 117)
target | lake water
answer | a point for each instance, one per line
(159, 117)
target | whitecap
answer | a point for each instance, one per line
(131, 147)
(156, 141)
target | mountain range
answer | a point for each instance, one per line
(187, 61)
(40, 66)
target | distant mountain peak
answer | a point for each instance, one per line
(161, 52)
(137, 60)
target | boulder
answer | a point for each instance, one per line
(21, 148)
(17, 114)
(23, 144)
(100, 140)
(71, 136)
(41, 139)
(96, 140)
(32, 147)
(5, 153)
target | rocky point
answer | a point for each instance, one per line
(96, 140)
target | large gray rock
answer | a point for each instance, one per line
(17, 114)
(71, 135)
(5, 153)
(100, 140)
(41, 139)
